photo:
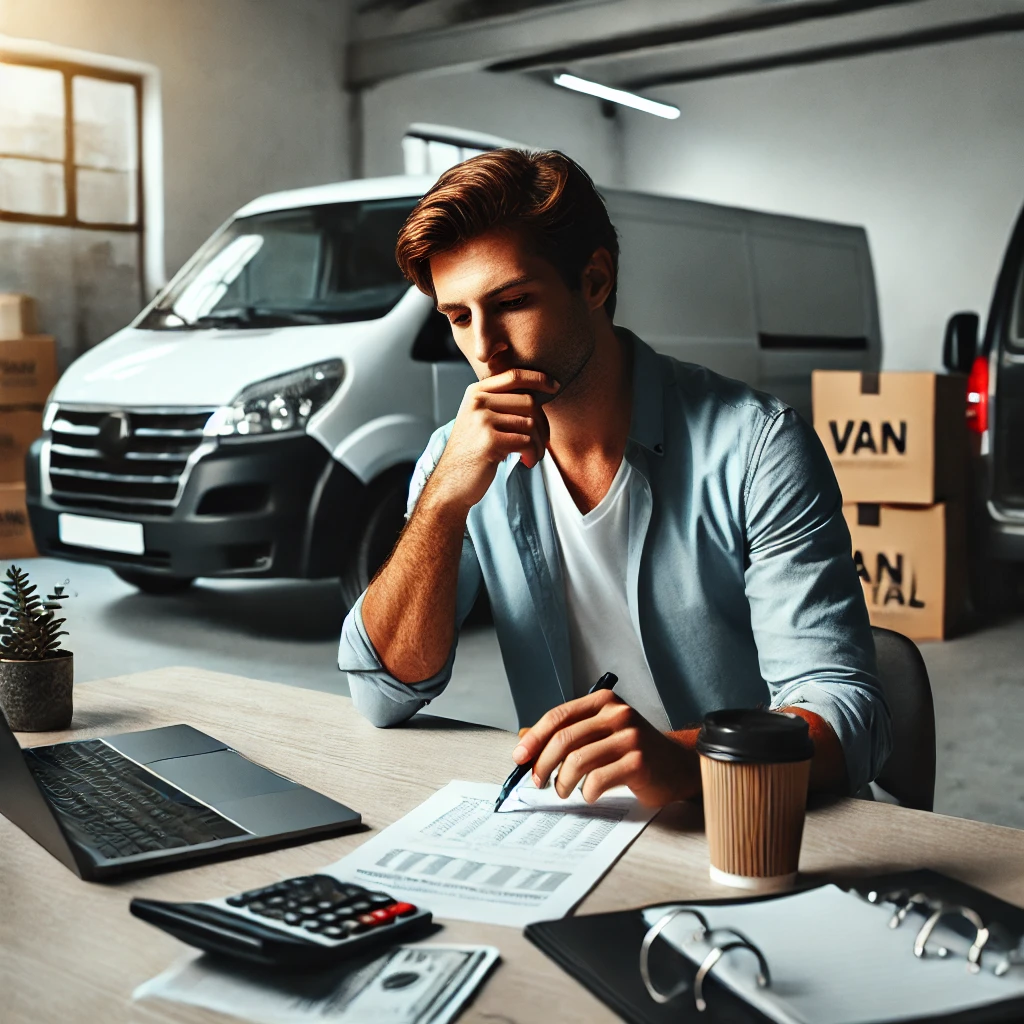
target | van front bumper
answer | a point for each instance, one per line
(260, 508)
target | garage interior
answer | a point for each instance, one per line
(901, 117)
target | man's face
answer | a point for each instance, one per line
(510, 308)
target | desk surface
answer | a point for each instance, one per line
(70, 951)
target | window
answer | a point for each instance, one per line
(310, 265)
(433, 148)
(69, 145)
(1017, 320)
(433, 156)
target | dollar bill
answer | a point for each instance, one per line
(416, 984)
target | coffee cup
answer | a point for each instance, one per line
(755, 767)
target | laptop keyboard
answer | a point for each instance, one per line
(112, 805)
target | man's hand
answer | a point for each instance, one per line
(603, 738)
(498, 416)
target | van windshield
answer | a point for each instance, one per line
(311, 265)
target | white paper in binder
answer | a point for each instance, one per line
(834, 960)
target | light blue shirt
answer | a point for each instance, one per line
(740, 579)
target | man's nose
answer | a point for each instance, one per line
(488, 341)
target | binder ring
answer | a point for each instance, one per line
(645, 951)
(980, 938)
(763, 976)
(919, 899)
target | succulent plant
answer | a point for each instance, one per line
(29, 630)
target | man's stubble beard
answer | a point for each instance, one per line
(579, 340)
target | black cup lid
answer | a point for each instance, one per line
(755, 736)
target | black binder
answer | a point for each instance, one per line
(602, 952)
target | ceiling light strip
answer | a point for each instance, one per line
(627, 99)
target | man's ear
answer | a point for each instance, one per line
(598, 279)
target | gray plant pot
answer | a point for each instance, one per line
(36, 695)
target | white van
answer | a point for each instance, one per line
(261, 417)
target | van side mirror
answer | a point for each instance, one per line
(961, 342)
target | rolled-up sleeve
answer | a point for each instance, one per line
(807, 609)
(378, 695)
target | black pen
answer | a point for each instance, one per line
(606, 682)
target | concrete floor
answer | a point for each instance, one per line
(287, 632)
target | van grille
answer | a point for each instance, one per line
(122, 461)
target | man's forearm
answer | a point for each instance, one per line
(409, 608)
(828, 768)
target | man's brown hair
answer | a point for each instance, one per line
(547, 195)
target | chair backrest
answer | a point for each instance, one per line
(909, 773)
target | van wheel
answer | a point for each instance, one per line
(377, 533)
(155, 583)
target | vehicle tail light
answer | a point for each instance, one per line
(977, 396)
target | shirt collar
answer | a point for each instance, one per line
(647, 427)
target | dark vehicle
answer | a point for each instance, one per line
(994, 364)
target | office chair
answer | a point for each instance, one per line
(909, 773)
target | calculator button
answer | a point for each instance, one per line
(235, 901)
(367, 920)
(362, 906)
(380, 899)
(332, 931)
(344, 912)
(276, 901)
(308, 910)
(403, 909)
(292, 918)
(312, 926)
(381, 914)
(329, 918)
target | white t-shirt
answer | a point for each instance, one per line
(594, 557)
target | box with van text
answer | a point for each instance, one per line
(18, 429)
(911, 565)
(28, 370)
(17, 316)
(15, 532)
(899, 438)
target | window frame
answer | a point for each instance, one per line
(69, 70)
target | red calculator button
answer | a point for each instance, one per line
(402, 909)
(367, 920)
(382, 914)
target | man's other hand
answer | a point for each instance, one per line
(601, 737)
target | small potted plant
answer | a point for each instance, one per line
(36, 675)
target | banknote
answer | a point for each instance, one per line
(415, 984)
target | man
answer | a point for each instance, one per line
(626, 512)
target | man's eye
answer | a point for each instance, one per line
(460, 320)
(513, 303)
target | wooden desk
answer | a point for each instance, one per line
(70, 951)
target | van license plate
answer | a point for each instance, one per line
(105, 534)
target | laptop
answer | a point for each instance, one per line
(143, 801)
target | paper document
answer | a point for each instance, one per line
(454, 855)
(834, 960)
(423, 984)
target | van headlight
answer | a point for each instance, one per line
(278, 405)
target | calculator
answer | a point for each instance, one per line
(301, 922)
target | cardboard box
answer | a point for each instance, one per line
(18, 429)
(912, 564)
(28, 370)
(17, 316)
(899, 438)
(15, 532)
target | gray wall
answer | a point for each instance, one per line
(252, 101)
(925, 148)
(510, 106)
